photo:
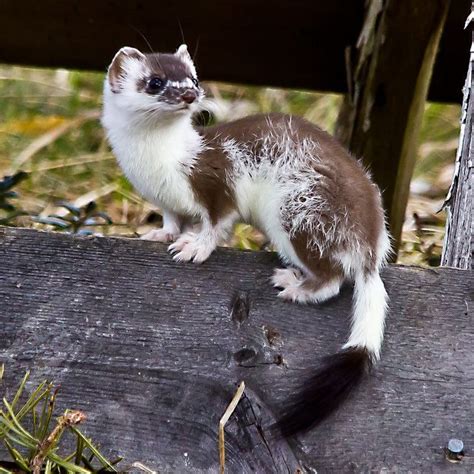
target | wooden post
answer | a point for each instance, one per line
(459, 241)
(388, 82)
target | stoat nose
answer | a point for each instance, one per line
(189, 96)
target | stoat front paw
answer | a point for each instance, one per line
(191, 246)
(160, 235)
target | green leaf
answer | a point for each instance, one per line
(20, 389)
(79, 449)
(19, 429)
(34, 399)
(47, 413)
(67, 465)
(5, 471)
(47, 468)
(94, 450)
(22, 440)
(87, 463)
(18, 441)
(17, 457)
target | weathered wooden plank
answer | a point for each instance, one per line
(297, 44)
(153, 351)
(381, 117)
(458, 248)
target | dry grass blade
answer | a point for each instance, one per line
(77, 161)
(51, 136)
(223, 421)
(142, 467)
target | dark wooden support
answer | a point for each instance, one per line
(388, 84)
(459, 241)
(288, 43)
(153, 351)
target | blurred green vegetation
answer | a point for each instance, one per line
(49, 127)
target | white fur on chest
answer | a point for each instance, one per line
(157, 160)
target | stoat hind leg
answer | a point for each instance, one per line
(316, 279)
(306, 289)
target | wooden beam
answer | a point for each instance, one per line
(381, 116)
(290, 43)
(153, 351)
(458, 248)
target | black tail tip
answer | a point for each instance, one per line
(326, 390)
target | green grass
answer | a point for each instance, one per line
(37, 440)
(60, 108)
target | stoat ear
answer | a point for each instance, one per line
(183, 53)
(116, 71)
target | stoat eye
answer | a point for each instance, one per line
(155, 84)
(195, 81)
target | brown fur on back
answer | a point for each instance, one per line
(344, 183)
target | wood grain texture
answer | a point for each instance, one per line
(288, 43)
(153, 351)
(458, 248)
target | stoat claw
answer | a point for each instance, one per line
(190, 246)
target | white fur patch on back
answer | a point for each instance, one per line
(282, 177)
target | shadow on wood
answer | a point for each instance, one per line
(153, 351)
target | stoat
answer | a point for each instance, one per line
(315, 203)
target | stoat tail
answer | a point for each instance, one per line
(342, 372)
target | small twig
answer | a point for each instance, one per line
(68, 419)
(225, 418)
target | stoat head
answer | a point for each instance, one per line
(153, 86)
